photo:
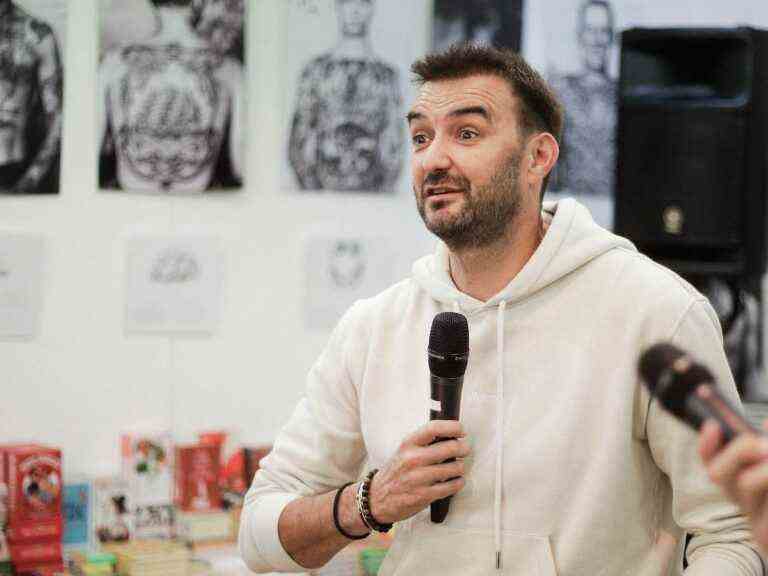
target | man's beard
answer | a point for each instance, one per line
(487, 213)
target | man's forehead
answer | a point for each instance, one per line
(440, 96)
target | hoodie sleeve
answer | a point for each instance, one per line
(320, 448)
(721, 541)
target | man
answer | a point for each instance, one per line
(171, 106)
(30, 80)
(346, 133)
(589, 97)
(565, 466)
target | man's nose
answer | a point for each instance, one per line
(436, 157)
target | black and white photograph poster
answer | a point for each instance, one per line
(21, 280)
(588, 91)
(32, 38)
(348, 82)
(173, 283)
(171, 98)
(578, 53)
(340, 269)
(495, 22)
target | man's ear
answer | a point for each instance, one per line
(542, 153)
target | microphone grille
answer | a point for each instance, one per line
(670, 381)
(656, 360)
(449, 334)
(449, 345)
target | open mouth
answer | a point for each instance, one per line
(437, 191)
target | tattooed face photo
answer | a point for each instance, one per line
(31, 79)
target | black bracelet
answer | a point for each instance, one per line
(336, 515)
(364, 505)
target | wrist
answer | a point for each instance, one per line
(349, 517)
(363, 499)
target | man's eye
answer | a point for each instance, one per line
(466, 134)
(418, 139)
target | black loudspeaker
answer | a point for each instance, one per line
(692, 154)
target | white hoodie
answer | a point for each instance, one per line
(574, 470)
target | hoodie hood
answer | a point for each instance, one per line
(572, 240)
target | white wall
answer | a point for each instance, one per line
(82, 380)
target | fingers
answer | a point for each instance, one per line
(440, 472)
(745, 450)
(435, 430)
(710, 440)
(754, 479)
(443, 489)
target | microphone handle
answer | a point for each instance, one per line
(445, 404)
(705, 403)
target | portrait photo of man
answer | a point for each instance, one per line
(171, 102)
(589, 95)
(346, 131)
(495, 22)
(31, 84)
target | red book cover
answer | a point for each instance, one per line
(197, 473)
(43, 552)
(44, 569)
(34, 493)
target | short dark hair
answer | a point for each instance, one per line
(540, 110)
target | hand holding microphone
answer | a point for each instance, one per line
(734, 452)
(426, 470)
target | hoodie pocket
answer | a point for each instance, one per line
(434, 549)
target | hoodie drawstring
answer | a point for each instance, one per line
(499, 427)
(499, 431)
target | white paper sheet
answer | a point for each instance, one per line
(21, 273)
(340, 270)
(172, 284)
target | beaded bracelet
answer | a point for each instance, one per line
(336, 516)
(364, 504)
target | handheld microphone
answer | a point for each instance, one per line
(687, 389)
(447, 355)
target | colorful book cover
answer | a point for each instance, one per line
(77, 510)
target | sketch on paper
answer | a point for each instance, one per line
(21, 270)
(171, 98)
(347, 132)
(31, 95)
(495, 22)
(173, 284)
(340, 270)
(589, 96)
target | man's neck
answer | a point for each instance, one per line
(174, 27)
(484, 272)
(353, 47)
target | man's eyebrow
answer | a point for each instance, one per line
(468, 110)
(479, 110)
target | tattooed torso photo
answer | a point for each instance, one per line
(30, 101)
(172, 106)
(346, 128)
